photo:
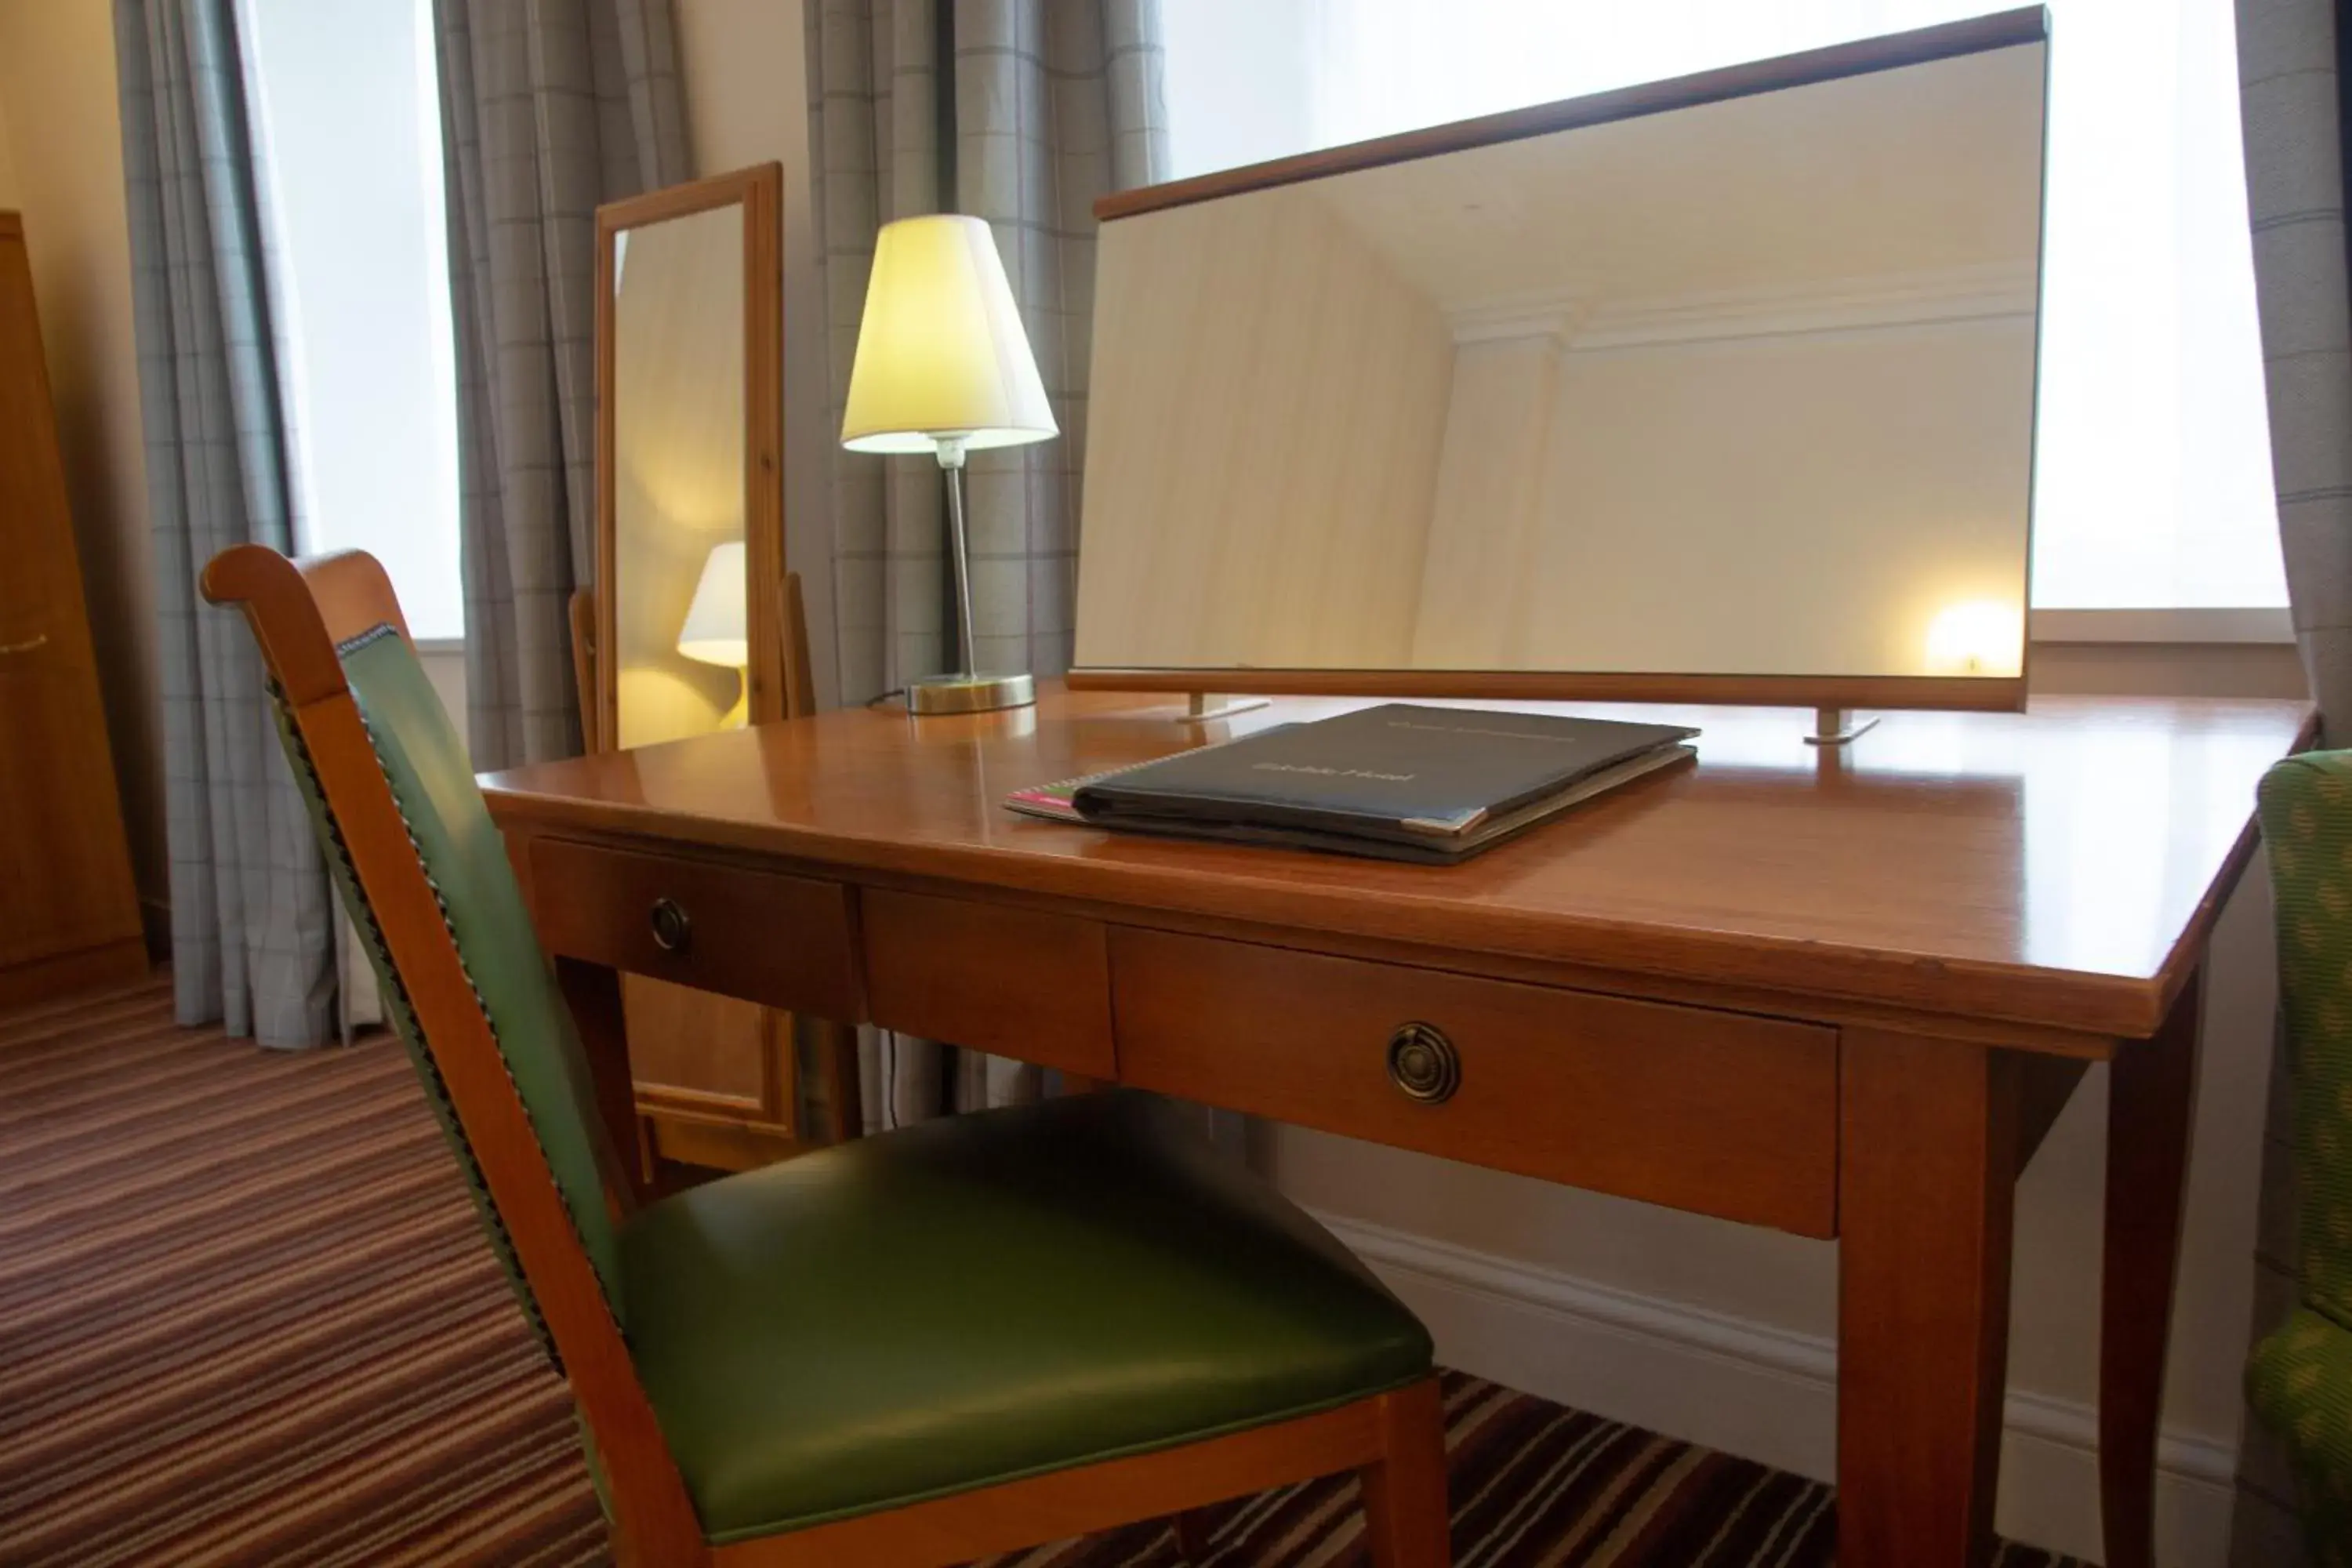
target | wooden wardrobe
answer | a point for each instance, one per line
(69, 912)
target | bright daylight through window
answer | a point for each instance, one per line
(2153, 487)
(348, 123)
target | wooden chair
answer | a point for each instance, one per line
(960, 1338)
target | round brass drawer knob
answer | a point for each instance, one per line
(672, 930)
(1424, 1063)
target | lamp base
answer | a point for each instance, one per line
(970, 693)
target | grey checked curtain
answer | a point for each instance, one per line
(1022, 113)
(2290, 83)
(549, 108)
(252, 931)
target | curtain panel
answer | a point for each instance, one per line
(1022, 113)
(252, 924)
(547, 110)
(2290, 84)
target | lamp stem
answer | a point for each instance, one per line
(952, 460)
(968, 690)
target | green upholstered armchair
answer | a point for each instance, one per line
(965, 1337)
(2299, 1380)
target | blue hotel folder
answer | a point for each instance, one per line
(1400, 782)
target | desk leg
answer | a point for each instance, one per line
(1928, 1130)
(2151, 1104)
(836, 1066)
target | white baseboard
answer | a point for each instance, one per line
(1760, 1392)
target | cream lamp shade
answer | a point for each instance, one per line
(716, 622)
(940, 354)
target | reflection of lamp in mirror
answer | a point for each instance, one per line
(1975, 637)
(943, 367)
(715, 625)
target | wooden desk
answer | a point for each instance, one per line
(1840, 994)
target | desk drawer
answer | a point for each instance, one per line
(759, 935)
(1020, 983)
(1719, 1112)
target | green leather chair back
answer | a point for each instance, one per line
(464, 859)
(2306, 817)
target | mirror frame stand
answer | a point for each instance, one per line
(1207, 707)
(1838, 727)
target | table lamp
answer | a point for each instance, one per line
(716, 624)
(943, 367)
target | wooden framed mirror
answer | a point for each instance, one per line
(690, 501)
(1719, 389)
(688, 628)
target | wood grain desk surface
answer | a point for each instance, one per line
(2057, 869)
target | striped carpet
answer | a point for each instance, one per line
(246, 1317)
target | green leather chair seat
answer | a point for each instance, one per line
(981, 1297)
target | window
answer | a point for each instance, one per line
(2153, 488)
(347, 121)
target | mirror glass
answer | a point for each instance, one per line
(1740, 388)
(680, 639)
